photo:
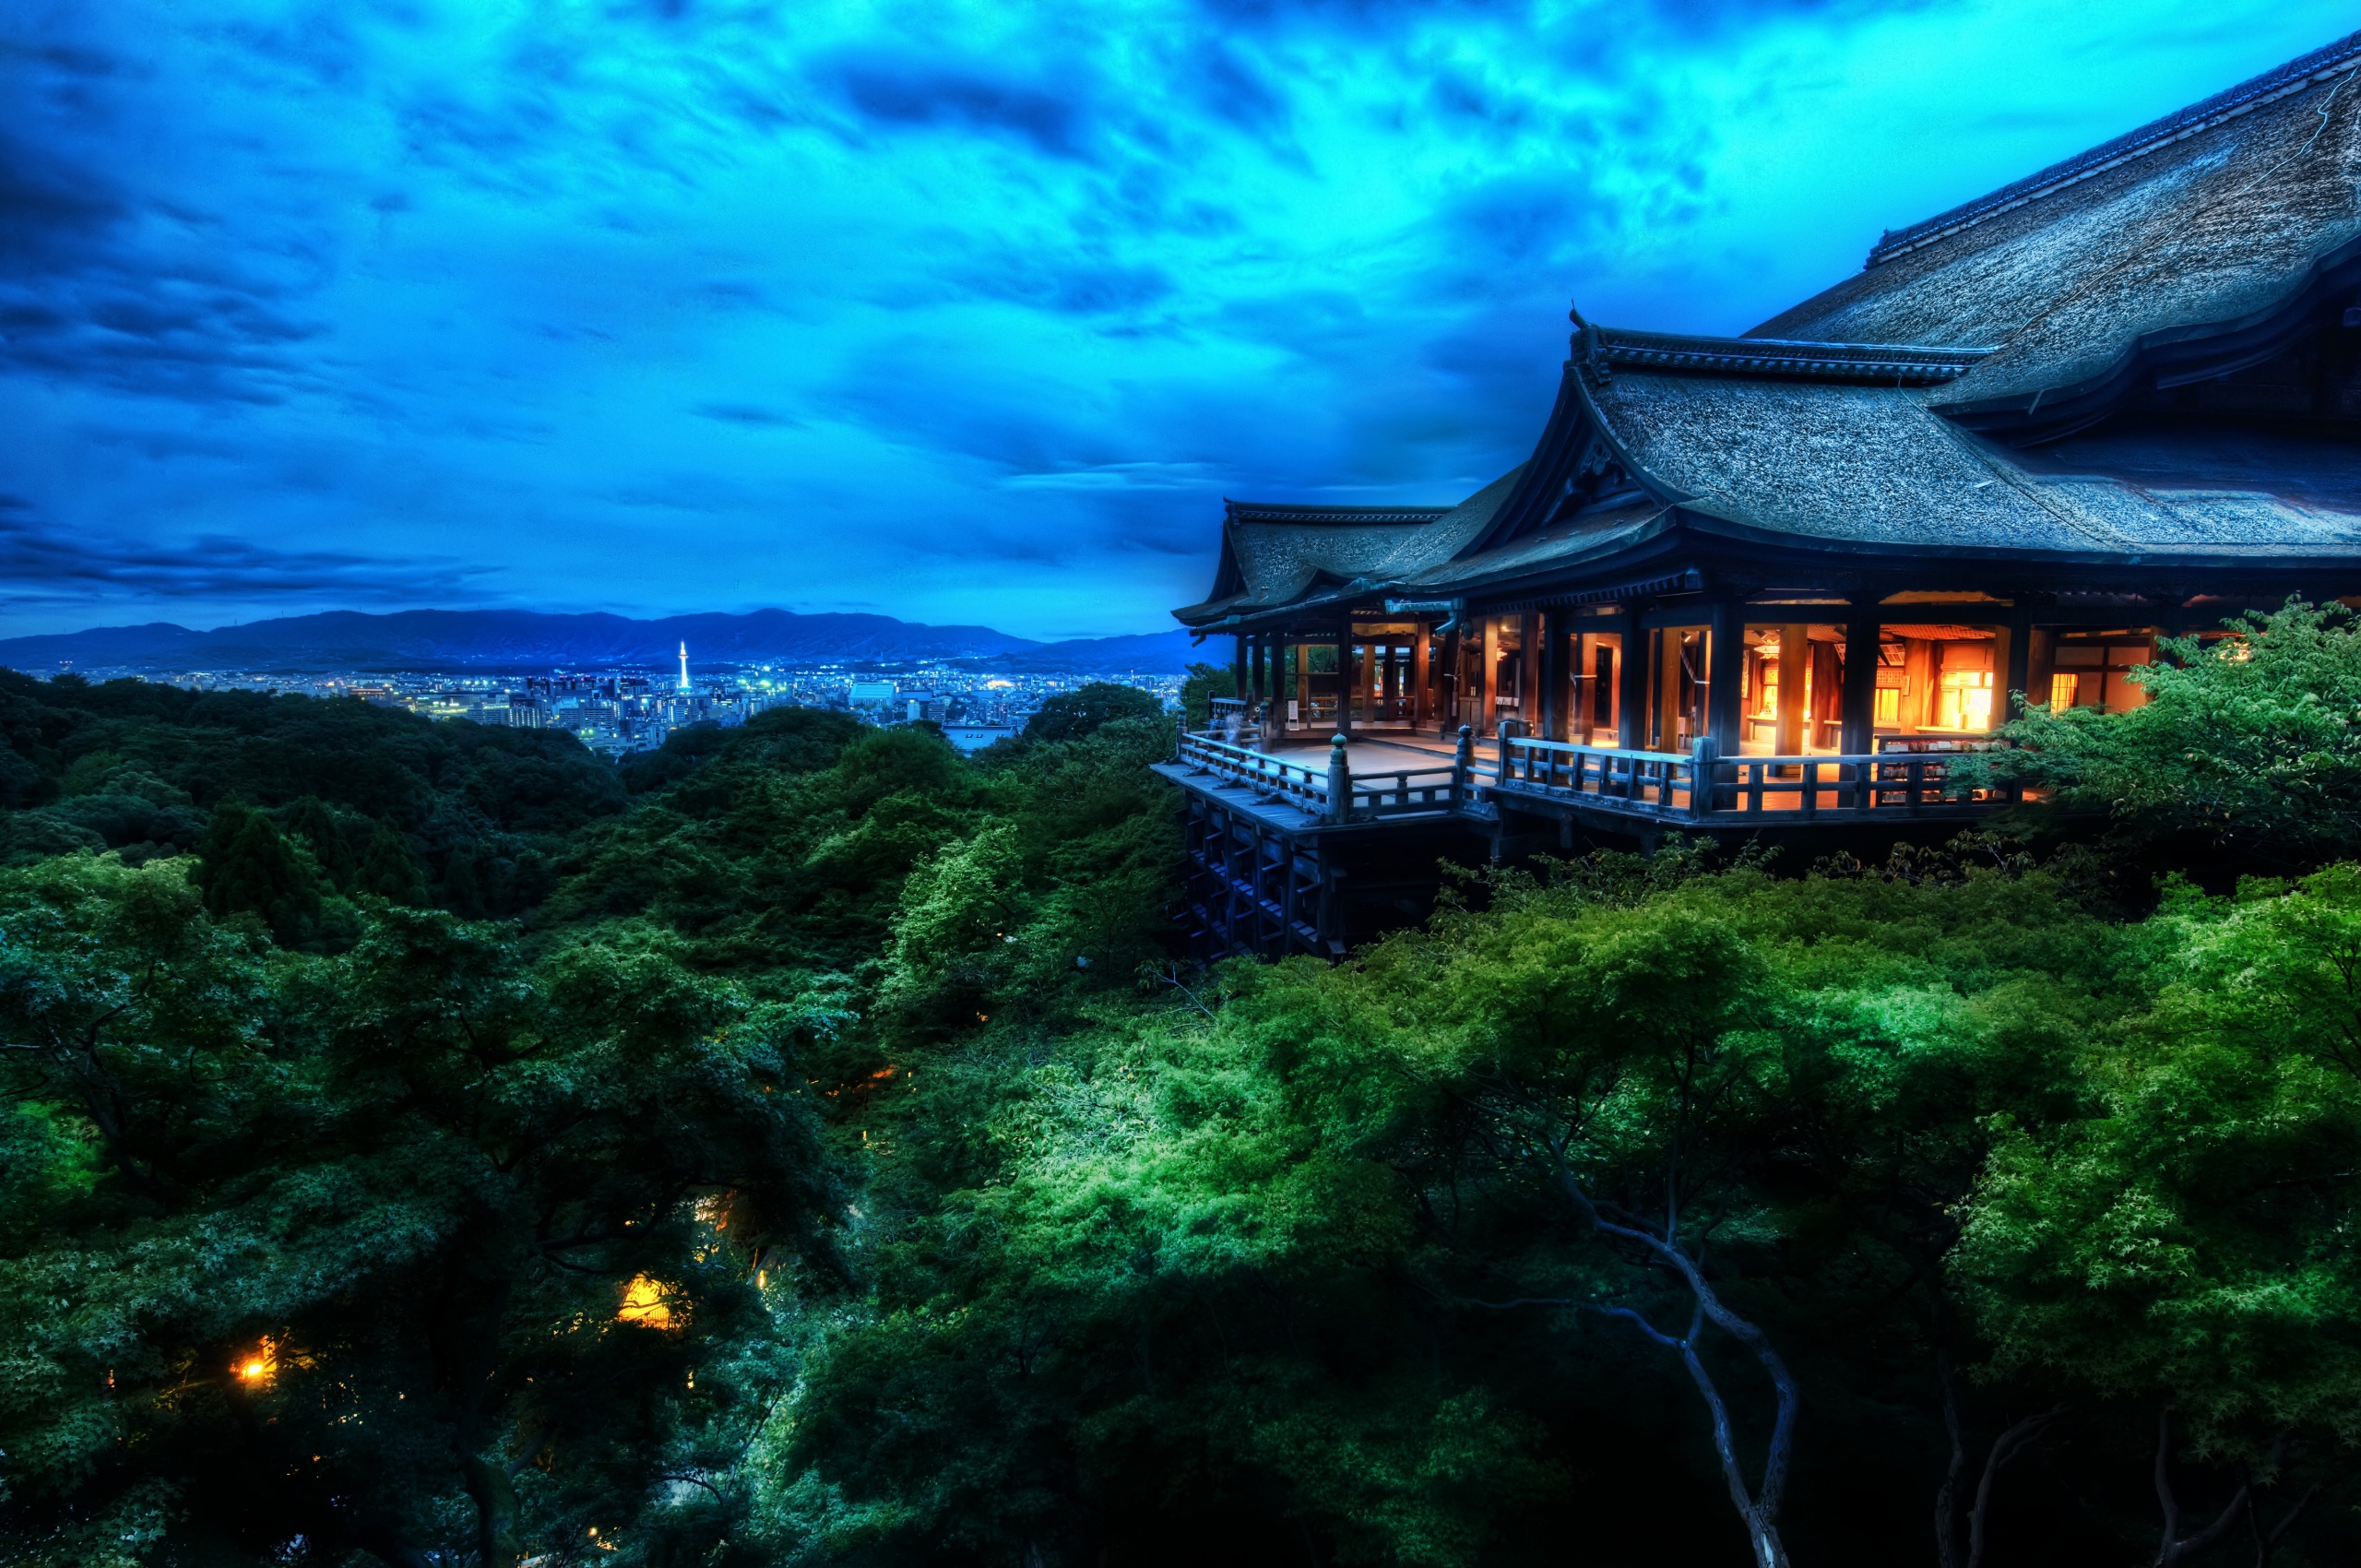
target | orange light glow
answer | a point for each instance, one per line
(644, 1304)
(258, 1368)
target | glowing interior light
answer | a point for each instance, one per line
(259, 1367)
(644, 1304)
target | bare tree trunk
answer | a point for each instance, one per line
(1946, 1543)
(1758, 1508)
(495, 1501)
(2005, 1447)
(2178, 1549)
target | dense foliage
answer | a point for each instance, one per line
(837, 1161)
(2248, 747)
(370, 800)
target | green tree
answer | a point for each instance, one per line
(410, 1250)
(1202, 684)
(2188, 1245)
(1070, 716)
(246, 865)
(2250, 745)
(389, 870)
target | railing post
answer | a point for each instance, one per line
(1704, 754)
(1463, 766)
(1502, 770)
(1340, 782)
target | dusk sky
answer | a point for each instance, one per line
(962, 313)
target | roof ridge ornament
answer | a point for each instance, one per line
(1601, 350)
(1589, 352)
(1288, 512)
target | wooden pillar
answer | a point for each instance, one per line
(1370, 679)
(1554, 695)
(1725, 670)
(2041, 662)
(1422, 701)
(1302, 681)
(1450, 677)
(1238, 667)
(2016, 664)
(1860, 681)
(1632, 702)
(1528, 671)
(1487, 675)
(1345, 679)
(1918, 681)
(1795, 661)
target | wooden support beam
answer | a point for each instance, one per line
(2041, 662)
(1794, 661)
(1238, 667)
(1631, 704)
(2016, 666)
(1556, 699)
(1422, 703)
(1725, 667)
(1488, 676)
(1345, 679)
(1860, 680)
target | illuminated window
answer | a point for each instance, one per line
(1889, 704)
(1965, 700)
(2063, 690)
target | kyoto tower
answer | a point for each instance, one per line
(684, 666)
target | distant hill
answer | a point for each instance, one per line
(1148, 653)
(526, 640)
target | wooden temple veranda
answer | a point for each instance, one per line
(1770, 585)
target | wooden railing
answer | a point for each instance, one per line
(1414, 791)
(1332, 793)
(1299, 786)
(1696, 786)
(1660, 783)
(1705, 785)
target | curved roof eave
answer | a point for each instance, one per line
(1701, 521)
(2168, 356)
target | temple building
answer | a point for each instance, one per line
(1770, 581)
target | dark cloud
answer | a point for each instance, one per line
(1236, 90)
(1065, 285)
(40, 563)
(746, 414)
(103, 283)
(892, 89)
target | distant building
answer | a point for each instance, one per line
(871, 694)
(975, 737)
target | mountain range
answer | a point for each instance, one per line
(518, 640)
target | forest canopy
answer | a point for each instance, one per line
(428, 1145)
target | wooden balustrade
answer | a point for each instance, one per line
(1699, 785)
(1705, 785)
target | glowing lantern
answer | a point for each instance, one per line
(258, 1368)
(644, 1304)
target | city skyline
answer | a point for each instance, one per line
(959, 315)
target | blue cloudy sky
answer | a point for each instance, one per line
(959, 310)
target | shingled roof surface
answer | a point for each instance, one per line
(2208, 216)
(1878, 465)
(1284, 552)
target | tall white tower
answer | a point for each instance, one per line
(684, 666)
